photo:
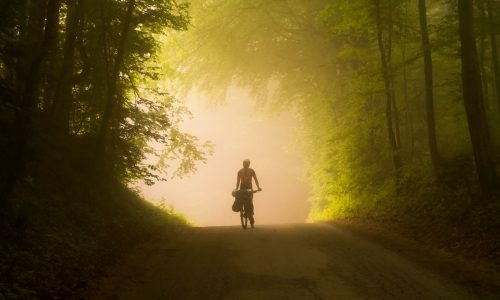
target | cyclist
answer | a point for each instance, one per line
(244, 181)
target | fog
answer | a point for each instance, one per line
(239, 130)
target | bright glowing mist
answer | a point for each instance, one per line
(238, 132)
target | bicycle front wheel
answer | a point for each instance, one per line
(244, 220)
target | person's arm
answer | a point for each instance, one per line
(256, 180)
(238, 179)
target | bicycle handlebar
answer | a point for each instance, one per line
(235, 192)
(253, 191)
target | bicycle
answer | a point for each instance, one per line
(239, 205)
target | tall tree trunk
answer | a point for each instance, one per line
(429, 95)
(408, 112)
(62, 103)
(473, 99)
(482, 51)
(395, 112)
(33, 77)
(31, 37)
(112, 88)
(28, 103)
(407, 106)
(396, 155)
(50, 70)
(494, 53)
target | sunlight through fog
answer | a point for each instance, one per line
(239, 131)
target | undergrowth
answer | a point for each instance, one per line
(444, 206)
(68, 227)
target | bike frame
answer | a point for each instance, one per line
(243, 217)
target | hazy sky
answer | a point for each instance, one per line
(238, 131)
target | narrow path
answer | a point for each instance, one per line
(303, 261)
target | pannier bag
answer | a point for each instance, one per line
(238, 201)
(237, 205)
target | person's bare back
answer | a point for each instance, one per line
(245, 175)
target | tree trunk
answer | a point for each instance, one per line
(408, 113)
(112, 89)
(429, 95)
(52, 61)
(396, 155)
(28, 103)
(407, 106)
(473, 99)
(33, 76)
(395, 112)
(482, 51)
(494, 53)
(62, 103)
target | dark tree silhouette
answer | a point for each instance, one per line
(390, 110)
(473, 99)
(429, 93)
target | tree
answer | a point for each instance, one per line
(429, 94)
(111, 100)
(473, 99)
(28, 93)
(62, 101)
(494, 52)
(390, 110)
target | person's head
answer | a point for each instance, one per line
(246, 163)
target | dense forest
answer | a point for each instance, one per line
(83, 104)
(398, 104)
(398, 101)
(80, 85)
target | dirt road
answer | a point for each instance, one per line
(304, 261)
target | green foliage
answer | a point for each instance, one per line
(120, 123)
(321, 59)
(84, 112)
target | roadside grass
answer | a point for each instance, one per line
(442, 209)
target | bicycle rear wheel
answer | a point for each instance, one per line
(244, 219)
